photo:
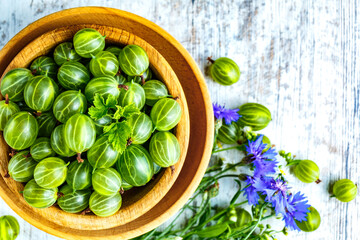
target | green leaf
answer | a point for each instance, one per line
(126, 111)
(213, 231)
(101, 107)
(118, 135)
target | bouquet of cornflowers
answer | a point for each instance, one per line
(265, 188)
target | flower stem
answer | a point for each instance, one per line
(218, 124)
(171, 225)
(258, 221)
(219, 214)
(224, 149)
(196, 217)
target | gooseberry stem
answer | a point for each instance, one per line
(172, 169)
(86, 211)
(121, 191)
(123, 86)
(6, 98)
(129, 142)
(27, 155)
(7, 175)
(78, 158)
(60, 194)
(175, 98)
(37, 113)
(12, 153)
(142, 79)
(318, 181)
(210, 60)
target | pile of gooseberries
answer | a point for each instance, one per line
(86, 124)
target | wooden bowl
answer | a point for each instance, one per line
(201, 126)
(137, 201)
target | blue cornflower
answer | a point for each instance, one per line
(250, 191)
(276, 194)
(264, 162)
(229, 115)
(296, 209)
(255, 185)
(264, 167)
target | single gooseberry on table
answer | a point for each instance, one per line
(224, 71)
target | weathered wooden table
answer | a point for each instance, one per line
(299, 58)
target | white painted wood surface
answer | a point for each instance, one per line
(300, 58)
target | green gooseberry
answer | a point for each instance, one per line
(80, 133)
(154, 91)
(102, 154)
(307, 171)
(9, 228)
(64, 52)
(165, 114)
(142, 128)
(254, 115)
(79, 175)
(47, 123)
(135, 165)
(243, 217)
(164, 149)
(73, 76)
(114, 50)
(57, 141)
(73, 201)
(133, 60)
(50, 172)
(228, 134)
(21, 167)
(105, 206)
(224, 71)
(345, 190)
(40, 93)
(106, 181)
(135, 94)
(7, 110)
(102, 85)
(69, 103)
(21, 130)
(39, 197)
(44, 66)
(41, 149)
(312, 221)
(13, 83)
(104, 64)
(88, 42)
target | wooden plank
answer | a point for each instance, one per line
(299, 58)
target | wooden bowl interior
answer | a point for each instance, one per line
(136, 201)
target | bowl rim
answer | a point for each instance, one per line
(39, 28)
(162, 183)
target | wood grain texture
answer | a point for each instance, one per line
(138, 200)
(299, 58)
